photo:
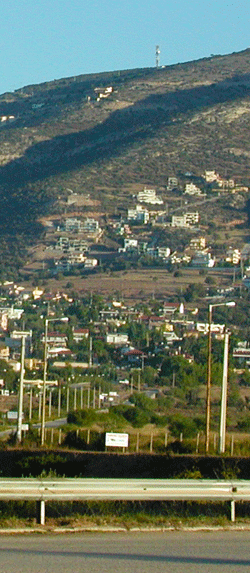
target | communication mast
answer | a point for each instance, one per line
(157, 56)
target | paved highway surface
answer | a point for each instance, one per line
(170, 552)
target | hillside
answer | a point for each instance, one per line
(56, 138)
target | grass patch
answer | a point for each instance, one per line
(123, 514)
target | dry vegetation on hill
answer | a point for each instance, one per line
(156, 123)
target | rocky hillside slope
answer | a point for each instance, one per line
(156, 123)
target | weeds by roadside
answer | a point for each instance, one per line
(84, 515)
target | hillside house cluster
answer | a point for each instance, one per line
(138, 223)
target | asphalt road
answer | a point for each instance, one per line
(182, 552)
(49, 424)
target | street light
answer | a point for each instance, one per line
(47, 320)
(209, 364)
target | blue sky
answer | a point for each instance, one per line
(42, 40)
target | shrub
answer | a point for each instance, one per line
(82, 417)
(183, 425)
(134, 415)
(159, 420)
(244, 424)
(97, 441)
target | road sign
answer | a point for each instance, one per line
(12, 415)
(116, 440)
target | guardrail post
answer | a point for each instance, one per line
(233, 510)
(40, 511)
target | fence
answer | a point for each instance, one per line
(140, 441)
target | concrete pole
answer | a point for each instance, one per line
(30, 404)
(99, 397)
(223, 412)
(67, 399)
(59, 401)
(208, 396)
(139, 380)
(209, 363)
(50, 403)
(90, 352)
(47, 320)
(44, 382)
(40, 406)
(20, 396)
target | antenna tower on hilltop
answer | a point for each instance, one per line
(157, 56)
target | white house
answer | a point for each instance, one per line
(91, 226)
(130, 245)
(149, 196)
(80, 334)
(204, 327)
(118, 339)
(233, 256)
(211, 176)
(90, 264)
(187, 220)
(73, 225)
(139, 215)
(202, 259)
(197, 243)
(192, 189)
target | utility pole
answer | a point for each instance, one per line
(30, 404)
(223, 414)
(90, 352)
(20, 397)
(209, 369)
(139, 380)
(45, 367)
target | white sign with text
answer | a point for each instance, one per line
(117, 440)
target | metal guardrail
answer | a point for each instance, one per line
(81, 489)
